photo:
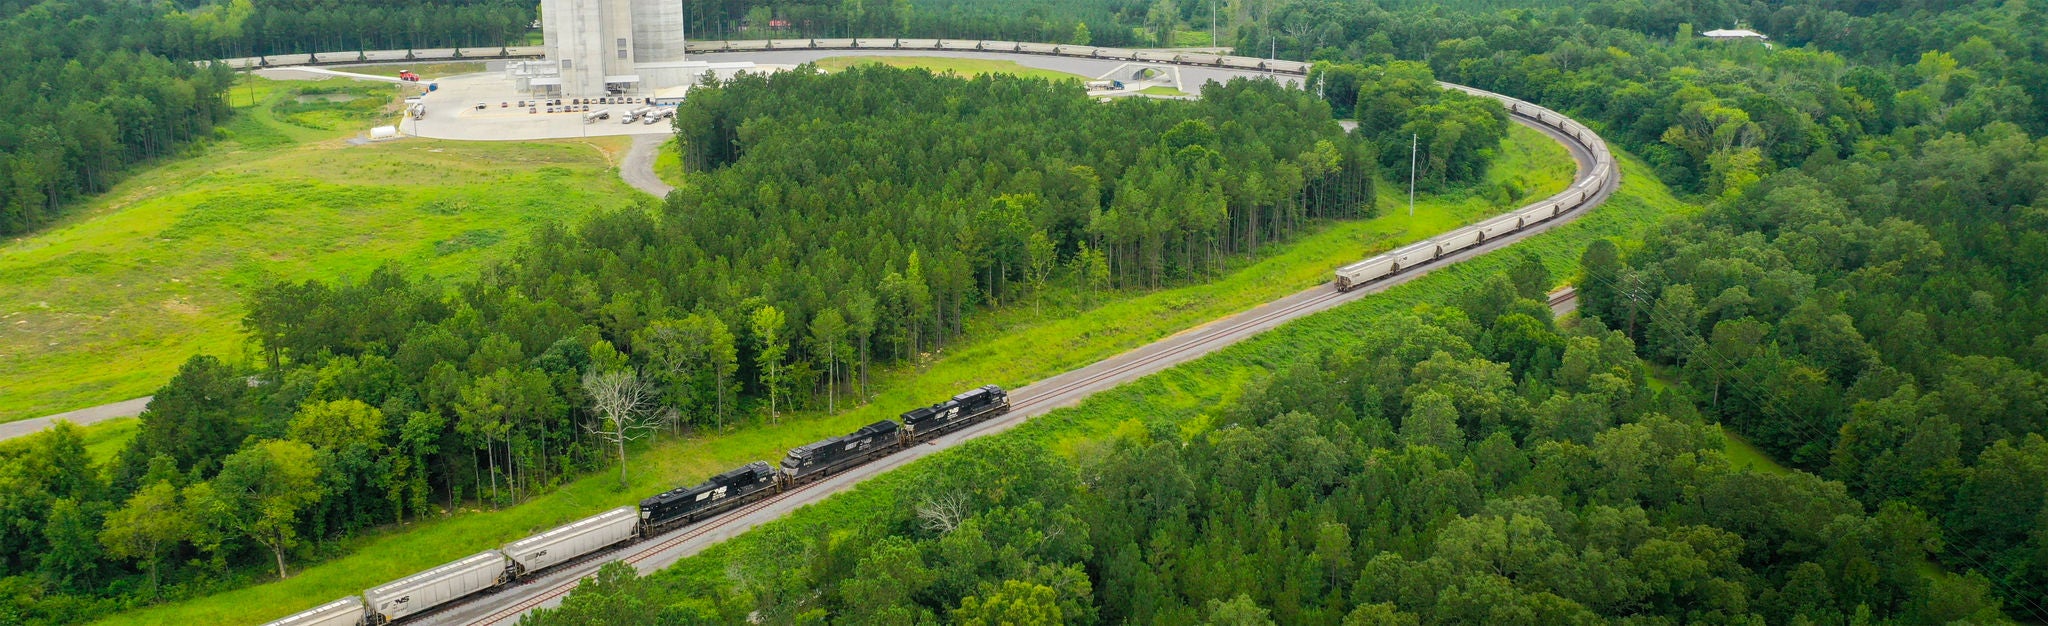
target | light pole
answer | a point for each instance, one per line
(1414, 140)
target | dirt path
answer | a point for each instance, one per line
(638, 168)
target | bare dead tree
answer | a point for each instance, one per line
(1299, 29)
(625, 407)
(942, 512)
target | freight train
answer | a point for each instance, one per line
(1582, 192)
(521, 560)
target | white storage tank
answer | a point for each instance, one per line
(344, 612)
(437, 586)
(574, 539)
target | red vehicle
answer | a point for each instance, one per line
(407, 75)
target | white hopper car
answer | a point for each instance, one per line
(478, 572)
(1588, 186)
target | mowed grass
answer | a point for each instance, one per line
(942, 65)
(1189, 395)
(106, 305)
(1012, 346)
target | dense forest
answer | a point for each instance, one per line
(1450, 136)
(1469, 464)
(80, 102)
(1861, 297)
(836, 223)
(1707, 114)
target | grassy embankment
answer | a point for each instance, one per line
(1189, 394)
(668, 164)
(1011, 347)
(105, 305)
(1195, 39)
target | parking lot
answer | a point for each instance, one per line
(452, 114)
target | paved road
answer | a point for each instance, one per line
(1030, 401)
(309, 72)
(638, 166)
(81, 417)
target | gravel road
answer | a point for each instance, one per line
(82, 417)
(638, 167)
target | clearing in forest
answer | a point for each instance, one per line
(104, 305)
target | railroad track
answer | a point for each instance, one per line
(669, 540)
(1563, 294)
(1027, 402)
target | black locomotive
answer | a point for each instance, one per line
(973, 406)
(813, 461)
(718, 494)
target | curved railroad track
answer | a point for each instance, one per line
(1059, 391)
(505, 605)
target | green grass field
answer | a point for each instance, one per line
(105, 440)
(668, 164)
(1194, 39)
(1745, 455)
(1191, 393)
(963, 67)
(1162, 90)
(1010, 347)
(105, 305)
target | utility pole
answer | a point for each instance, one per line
(1414, 140)
(1212, 24)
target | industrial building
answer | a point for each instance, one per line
(597, 48)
